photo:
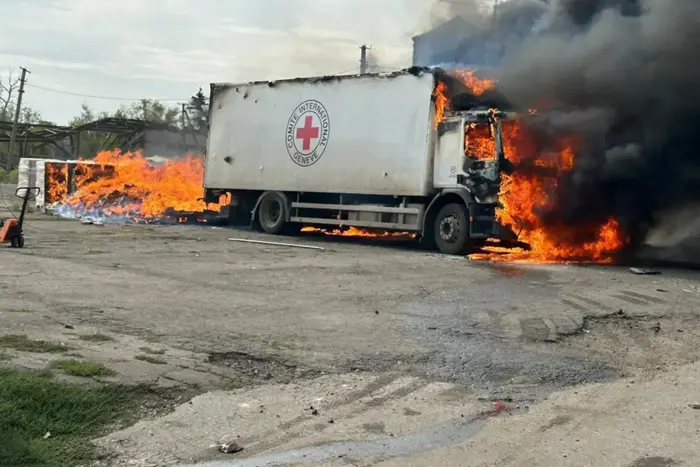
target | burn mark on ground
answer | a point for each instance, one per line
(654, 462)
(259, 368)
(559, 420)
(374, 428)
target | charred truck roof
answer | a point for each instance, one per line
(461, 99)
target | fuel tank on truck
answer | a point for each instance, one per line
(368, 134)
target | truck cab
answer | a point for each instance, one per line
(468, 162)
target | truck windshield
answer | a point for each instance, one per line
(479, 141)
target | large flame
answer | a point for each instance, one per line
(127, 187)
(531, 189)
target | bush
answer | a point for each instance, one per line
(9, 177)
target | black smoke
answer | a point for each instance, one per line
(623, 75)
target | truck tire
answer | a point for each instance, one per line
(272, 213)
(451, 229)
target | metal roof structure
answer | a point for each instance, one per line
(127, 134)
(46, 133)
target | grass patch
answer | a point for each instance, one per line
(96, 337)
(84, 369)
(9, 177)
(32, 404)
(24, 344)
(150, 351)
(151, 359)
(5, 357)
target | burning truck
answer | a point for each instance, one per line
(374, 151)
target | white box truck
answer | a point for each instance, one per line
(356, 150)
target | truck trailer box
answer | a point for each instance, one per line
(367, 134)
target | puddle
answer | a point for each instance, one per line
(445, 434)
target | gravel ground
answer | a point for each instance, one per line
(184, 307)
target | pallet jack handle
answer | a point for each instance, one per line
(29, 193)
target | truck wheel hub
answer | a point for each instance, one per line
(274, 212)
(449, 228)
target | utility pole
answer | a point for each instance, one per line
(183, 119)
(494, 20)
(18, 108)
(363, 59)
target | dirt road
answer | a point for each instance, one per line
(382, 339)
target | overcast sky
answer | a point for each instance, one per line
(168, 48)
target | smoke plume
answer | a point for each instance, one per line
(622, 75)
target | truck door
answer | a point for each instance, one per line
(449, 153)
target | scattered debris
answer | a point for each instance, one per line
(263, 242)
(230, 448)
(229, 445)
(662, 290)
(331, 421)
(645, 272)
(47, 435)
(695, 406)
(314, 412)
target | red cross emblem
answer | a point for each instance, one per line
(308, 132)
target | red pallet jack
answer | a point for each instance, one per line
(11, 229)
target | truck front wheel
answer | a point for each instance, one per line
(451, 230)
(272, 213)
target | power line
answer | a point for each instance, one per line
(70, 93)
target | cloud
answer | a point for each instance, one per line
(161, 48)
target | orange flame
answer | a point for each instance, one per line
(57, 174)
(355, 232)
(528, 191)
(441, 101)
(127, 185)
(475, 85)
(479, 142)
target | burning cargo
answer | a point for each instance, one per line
(123, 187)
(57, 179)
(377, 151)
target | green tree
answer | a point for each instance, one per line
(150, 110)
(91, 142)
(198, 110)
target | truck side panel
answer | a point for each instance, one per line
(367, 134)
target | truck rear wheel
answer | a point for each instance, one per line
(451, 230)
(272, 213)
